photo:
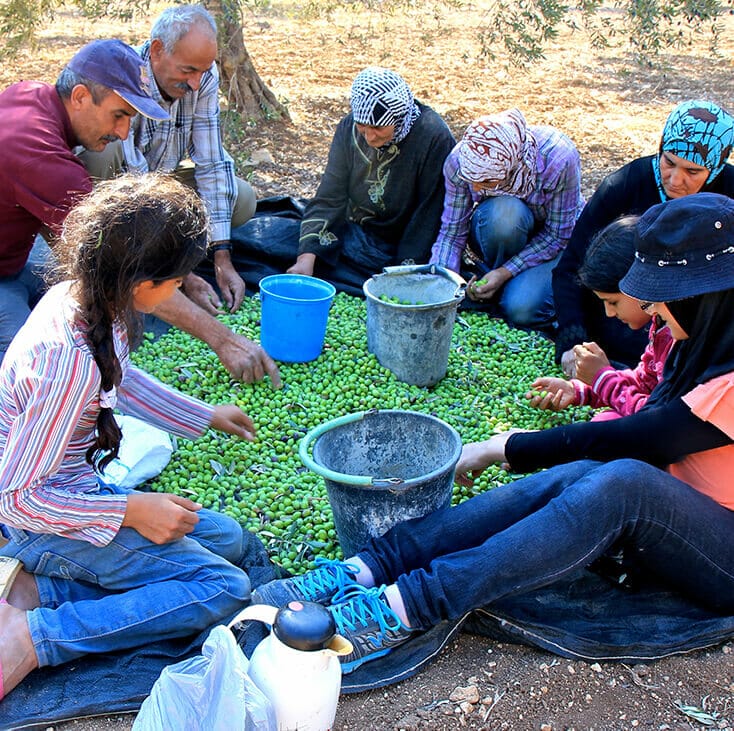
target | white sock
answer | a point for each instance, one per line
(364, 575)
(395, 601)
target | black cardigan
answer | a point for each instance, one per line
(659, 435)
(397, 198)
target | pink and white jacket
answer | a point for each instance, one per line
(627, 391)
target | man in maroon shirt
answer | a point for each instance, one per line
(91, 104)
(94, 99)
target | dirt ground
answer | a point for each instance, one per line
(614, 111)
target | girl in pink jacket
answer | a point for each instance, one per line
(598, 383)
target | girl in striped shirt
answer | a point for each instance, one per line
(106, 569)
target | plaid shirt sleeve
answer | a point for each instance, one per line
(556, 202)
(214, 168)
(457, 211)
(193, 131)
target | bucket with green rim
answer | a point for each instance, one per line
(382, 467)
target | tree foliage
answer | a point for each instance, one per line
(513, 31)
(523, 27)
(20, 20)
(517, 31)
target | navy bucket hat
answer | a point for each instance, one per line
(685, 248)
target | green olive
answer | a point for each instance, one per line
(264, 485)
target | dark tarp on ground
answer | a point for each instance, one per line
(97, 685)
(585, 617)
(268, 244)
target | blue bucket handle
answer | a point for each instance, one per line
(358, 480)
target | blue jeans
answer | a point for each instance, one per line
(530, 533)
(20, 293)
(501, 227)
(101, 599)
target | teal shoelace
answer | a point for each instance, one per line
(355, 607)
(329, 575)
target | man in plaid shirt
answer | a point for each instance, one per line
(180, 57)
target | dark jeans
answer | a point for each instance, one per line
(20, 293)
(501, 227)
(541, 528)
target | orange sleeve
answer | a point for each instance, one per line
(713, 401)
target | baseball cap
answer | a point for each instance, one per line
(684, 248)
(117, 66)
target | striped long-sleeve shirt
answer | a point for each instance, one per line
(49, 403)
(556, 202)
(192, 131)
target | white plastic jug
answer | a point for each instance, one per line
(297, 665)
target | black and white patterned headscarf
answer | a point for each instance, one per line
(381, 97)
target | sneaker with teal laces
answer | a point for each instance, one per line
(318, 585)
(364, 617)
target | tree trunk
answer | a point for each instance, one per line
(245, 91)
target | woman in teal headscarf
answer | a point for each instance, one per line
(696, 142)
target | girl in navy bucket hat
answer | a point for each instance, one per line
(656, 484)
(684, 249)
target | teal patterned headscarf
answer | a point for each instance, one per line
(700, 132)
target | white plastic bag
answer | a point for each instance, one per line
(144, 451)
(209, 692)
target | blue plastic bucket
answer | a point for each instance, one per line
(295, 309)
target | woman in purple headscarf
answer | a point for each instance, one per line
(513, 193)
(695, 144)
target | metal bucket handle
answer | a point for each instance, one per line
(358, 480)
(457, 279)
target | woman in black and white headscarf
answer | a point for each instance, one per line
(382, 105)
(380, 198)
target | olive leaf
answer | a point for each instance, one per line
(698, 714)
